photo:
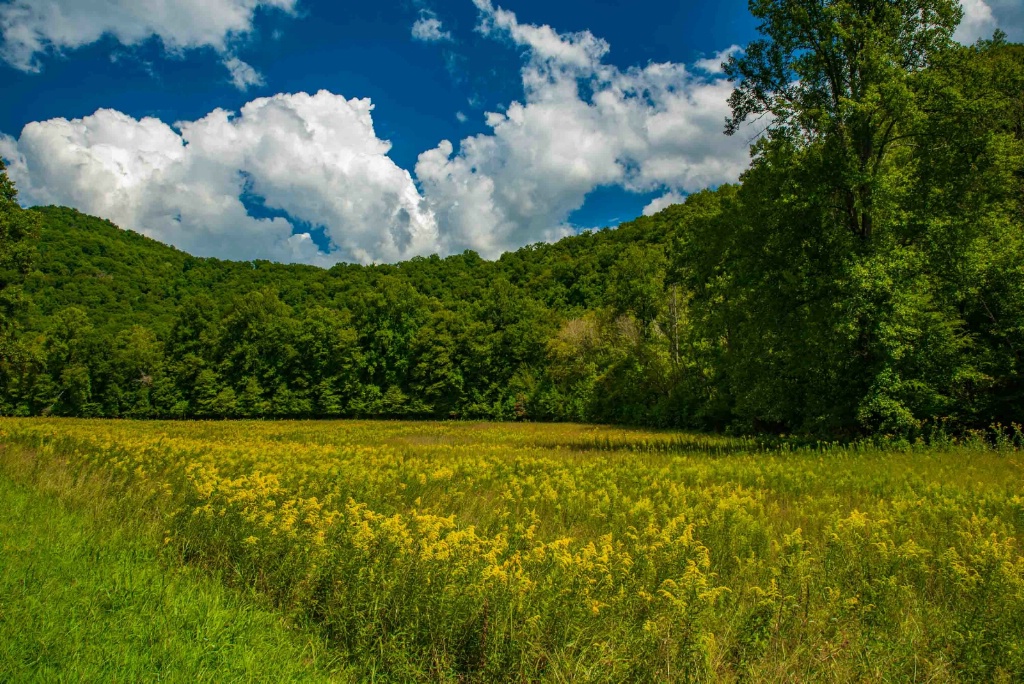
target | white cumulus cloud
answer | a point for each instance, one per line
(581, 49)
(582, 125)
(428, 28)
(663, 202)
(314, 157)
(32, 28)
(978, 22)
(983, 17)
(243, 76)
(713, 65)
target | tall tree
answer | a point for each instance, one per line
(19, 232)
(839, 317)
(841, 73)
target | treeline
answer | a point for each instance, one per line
(119, 325)
(866, 275)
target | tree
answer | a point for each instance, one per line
(213, 399)
(19, 232)
(841, 73)
(136, 362)
(67, 358)
(257, 340)
(838, 316)
(636, 284)
(330, 358)
(967, 202)
(387, 318)
(437, 374)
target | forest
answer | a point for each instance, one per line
(864, 276)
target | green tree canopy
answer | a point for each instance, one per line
(841, 73)
(19, 231)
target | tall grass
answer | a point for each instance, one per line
(85, 597)
(496, 552)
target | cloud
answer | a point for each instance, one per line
(580, 50)
(663, 202)
(983, 17)
(243, 76)
(461, 117)
(713, 65)
(428, 28)
(582, 125)
(314, 157)
(978, 22)
(315, 161)
(30, 29)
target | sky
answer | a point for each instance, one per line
(322, 131)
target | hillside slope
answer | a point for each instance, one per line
(122, 325)
(121, 278)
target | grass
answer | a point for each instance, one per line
(83, 598)
(490, 552)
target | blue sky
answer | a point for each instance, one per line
(577, 115)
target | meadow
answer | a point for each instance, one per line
(84, 598)
(514, 552)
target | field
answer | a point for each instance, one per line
(446, 551)
(85, 599)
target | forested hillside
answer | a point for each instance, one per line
(867, 274)
(121, 325)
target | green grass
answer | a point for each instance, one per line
(83, 598)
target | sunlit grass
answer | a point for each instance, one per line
(84, 598)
